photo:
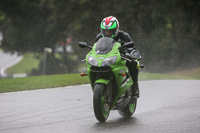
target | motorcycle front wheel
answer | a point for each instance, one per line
(129, 110)
(101, 108)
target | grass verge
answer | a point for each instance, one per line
(39, 82)
(51, 81)
(195, 72)
(158, 76)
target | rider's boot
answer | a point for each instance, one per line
(134, 72)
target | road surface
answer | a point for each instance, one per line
(165, 106)
(7, 60)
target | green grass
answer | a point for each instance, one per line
(158, 76)
(39, 82)
(51, 81)
(195, 73)
(28, 63)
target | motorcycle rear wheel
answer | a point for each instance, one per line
(129, 110)
(101, 108)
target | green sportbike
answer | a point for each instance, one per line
(109, 78)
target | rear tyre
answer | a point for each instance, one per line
(129, 110)
(101, 108)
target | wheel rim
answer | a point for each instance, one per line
(131, 107)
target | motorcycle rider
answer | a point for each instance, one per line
(110, 28)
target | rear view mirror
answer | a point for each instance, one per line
(84, 45)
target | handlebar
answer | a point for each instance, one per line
(126, 59)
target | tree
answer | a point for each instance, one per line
(165, 32)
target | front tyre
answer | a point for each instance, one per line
(101, 108)
(129, 110)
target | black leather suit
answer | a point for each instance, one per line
(124, 37)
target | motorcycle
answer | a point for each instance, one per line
(109, 78)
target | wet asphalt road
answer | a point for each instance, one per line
(165, 106)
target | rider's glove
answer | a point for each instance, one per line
(135, 55)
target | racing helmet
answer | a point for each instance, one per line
(109, 27)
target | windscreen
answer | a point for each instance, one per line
(104, 45)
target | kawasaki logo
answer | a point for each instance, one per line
(100, 58)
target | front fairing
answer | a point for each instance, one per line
(102, 53)
(101, 57)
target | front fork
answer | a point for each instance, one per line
(108, 89)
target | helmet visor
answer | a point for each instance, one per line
(108, 32)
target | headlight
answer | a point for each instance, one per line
(109, 61)
(92, 61)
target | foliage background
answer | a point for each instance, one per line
(167, 33)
